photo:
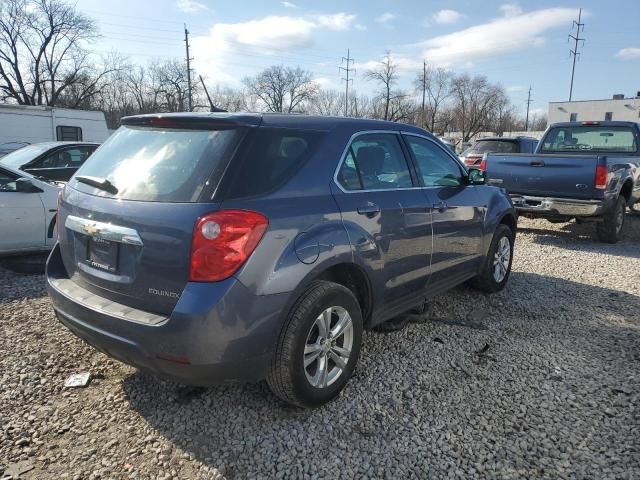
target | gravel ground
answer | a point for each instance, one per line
(539, 381)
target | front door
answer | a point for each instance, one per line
(21, 216)
(458, 216)
(387, 218)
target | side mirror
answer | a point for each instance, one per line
(25, 185)
(476, 177)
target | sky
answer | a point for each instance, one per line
(518, 45)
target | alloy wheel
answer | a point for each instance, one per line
(328, 347)
(501, 260)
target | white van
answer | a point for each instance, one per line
(21, 124)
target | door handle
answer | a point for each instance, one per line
(537, 163)
(441, 206)
(369, 210)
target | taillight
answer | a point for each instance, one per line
(483, 163)
(58, 202)
(222, 242)
(601, 176)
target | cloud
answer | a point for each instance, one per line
(338, 21)
(510, 10)
(403, 63)
(289, 5)
(628, 53)
(516, 88)
(360, 26)
(447, 16)
(256, 38)
(516, 31)
(386, 18)
(190, 6)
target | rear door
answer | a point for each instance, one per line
(458, 215)
(131, 242)
(22, 218)
(388, 219)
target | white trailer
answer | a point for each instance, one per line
(31, 124)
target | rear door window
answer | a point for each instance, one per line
(375, 161)
(160, 165)
(270, 158)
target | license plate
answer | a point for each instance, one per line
(103, 254)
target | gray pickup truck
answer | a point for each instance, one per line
(588, 171)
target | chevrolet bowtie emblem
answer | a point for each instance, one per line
(90, 229)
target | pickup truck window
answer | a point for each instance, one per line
(493, 146)
(594, 138)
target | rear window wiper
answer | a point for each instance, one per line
(101, 183)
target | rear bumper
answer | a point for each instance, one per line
(218, 332)
(565, 207)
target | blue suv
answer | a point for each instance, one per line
(213, 248)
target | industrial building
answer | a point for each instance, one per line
(616, 108)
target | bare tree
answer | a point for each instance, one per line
(435, 85)
(474, 102)
(41, 50)
(327, 102)
(386, 74)
(282, 89)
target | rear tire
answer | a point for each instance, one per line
(497, 265)
(612, 225)
(319, 346)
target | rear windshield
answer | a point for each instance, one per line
(493, 146)
(159, 165)
(270, 158)
(594, 138)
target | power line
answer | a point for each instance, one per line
(528, 102)
(575, 52)
(348, 70)
(186, 42)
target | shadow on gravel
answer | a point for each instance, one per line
(592, 333)
(573, 236)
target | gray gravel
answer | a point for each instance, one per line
(539, 381)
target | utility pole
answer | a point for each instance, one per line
(576, 38)
(189, 92)
(529, 100)
(424, 91)
(347, 70)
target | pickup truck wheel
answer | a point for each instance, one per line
(612, 225)
(318, 347)
(497, 265)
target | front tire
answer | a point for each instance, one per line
(612, 225)
(497, 265)
(319, 346)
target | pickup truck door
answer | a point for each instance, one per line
(387, 217)
(22, 220)
(458, 215)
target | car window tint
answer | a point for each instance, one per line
(375, 162)
(7, 182)
(435, 166)
(271, 157)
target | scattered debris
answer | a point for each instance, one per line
(78, 380)
(438, 340)
(483, 350)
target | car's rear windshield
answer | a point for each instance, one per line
(595, 138)
(493, 146)
(269, 158)
(159, 165)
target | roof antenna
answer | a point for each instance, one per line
(212, 107)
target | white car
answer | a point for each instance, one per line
(27, 212)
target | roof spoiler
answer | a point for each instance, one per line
(192, 122)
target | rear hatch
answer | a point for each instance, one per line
(128, 215)
(563, 176)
